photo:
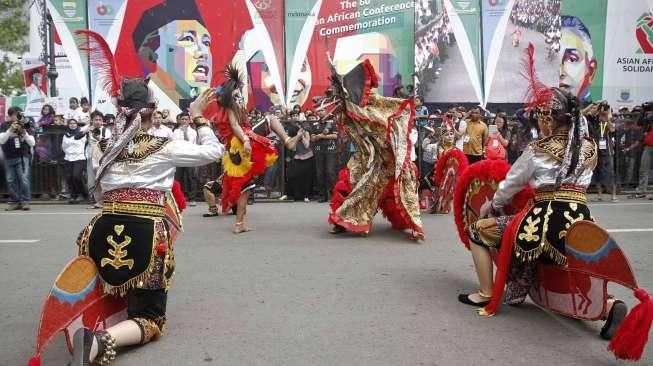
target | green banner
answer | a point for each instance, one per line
(469, 12)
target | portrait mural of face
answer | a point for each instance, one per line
(300, 90)
(173, 48)
(578, 65)
(177, 57)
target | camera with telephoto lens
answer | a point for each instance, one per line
(22, 121)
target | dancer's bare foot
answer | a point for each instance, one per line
(241, 228)
(414, 234)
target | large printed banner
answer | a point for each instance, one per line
(628, 61)
(68, 16)
(582, 44)
(349, 31)
(105, 17)
(451, 50)
(184, 45)
(448, 51)
(598, 50)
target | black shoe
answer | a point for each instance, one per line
(615, 317)
(337, 229)
(464, 298)
(211, 214)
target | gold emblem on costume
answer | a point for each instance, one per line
(117, 252)
(530, 229)
(570, 220)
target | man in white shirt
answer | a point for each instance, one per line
(158, 128)
(187, 176)
(185, 131)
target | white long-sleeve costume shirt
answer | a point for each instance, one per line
(540, 169)
(157, 170)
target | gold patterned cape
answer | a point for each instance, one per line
(381, 174)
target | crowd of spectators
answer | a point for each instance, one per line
(50, 156)
(624, 139)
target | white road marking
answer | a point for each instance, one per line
(19, 241)
(621, 203)
(641, 230)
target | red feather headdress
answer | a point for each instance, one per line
(100, 59)
(538, 95)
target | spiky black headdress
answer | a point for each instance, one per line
(224, 92)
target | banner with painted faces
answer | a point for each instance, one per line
(184, 46)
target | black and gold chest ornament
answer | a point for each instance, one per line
(139, 148)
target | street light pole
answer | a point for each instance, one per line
(51, 61)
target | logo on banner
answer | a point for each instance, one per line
(464, 5)
(69, 8)
(104, 9)
(263, 4)
(624, 96)
(644, 33)
(496, 2)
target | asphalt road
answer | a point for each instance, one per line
(288, 293)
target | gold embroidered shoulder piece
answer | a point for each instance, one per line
(556, 145)
(139, 148)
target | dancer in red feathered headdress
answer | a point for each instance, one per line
(126, 252)
(249, 154)
(551, 249)
(380, 175)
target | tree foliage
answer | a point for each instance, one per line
(14, 29)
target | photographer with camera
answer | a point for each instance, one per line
(300, 160)
(646, 123)
(324, 137)
(602, 130)
(17, 145)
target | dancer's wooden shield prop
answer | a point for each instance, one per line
(475, 186)
(579, 290)
(76, 299)
(447, 170)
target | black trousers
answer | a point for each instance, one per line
(325, 172)
(75, 178)
(148, 304)
(300, 178)
(189, 184)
